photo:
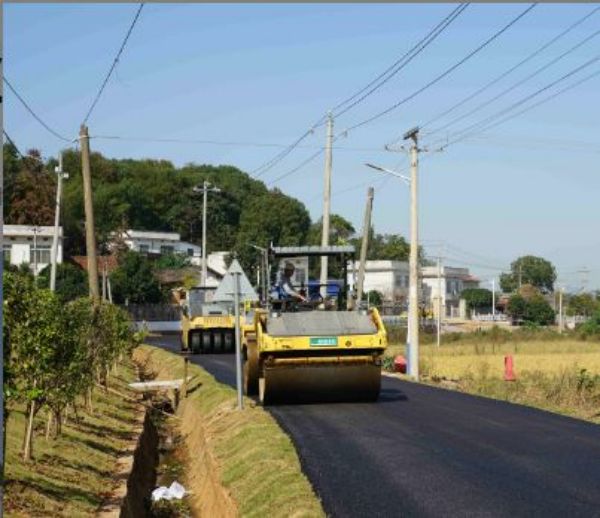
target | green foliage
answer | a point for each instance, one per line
(529, 269)
(375, 298)
(173, 261)
(591, 327)
(478, 298)
(340, 231)
(71, 281)
(584, 304)
(535, 310)
(134, 280)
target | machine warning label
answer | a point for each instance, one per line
(323, 341)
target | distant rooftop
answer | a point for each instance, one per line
(292, 251)
(30, 230)
(151, 234)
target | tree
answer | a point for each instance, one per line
(477, 298)
(71, 281)
(374, 297)
(534, 310)
(134, 280)
(174, 261)
(583, 304)
(532, 270)
(340, 231)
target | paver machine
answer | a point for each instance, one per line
(324, 348)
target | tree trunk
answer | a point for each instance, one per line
(49, 424)
(58, 419)
(28, 449)
(88, 400)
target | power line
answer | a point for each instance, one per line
(538, 71)
(489, 122)
(402, 62)
(298, 167)
(511, 69)
(35, 115)
(114, 64)
(445, 73)
(392, 70)
(23, 157)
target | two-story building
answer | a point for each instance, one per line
(451, 281)
(31, 245)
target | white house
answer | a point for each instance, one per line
(452, 281)
(390, 278)
(158, 243)
(31, 244)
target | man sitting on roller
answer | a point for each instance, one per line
(285, 283)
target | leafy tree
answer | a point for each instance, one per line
(374, 297)
(535, 310)
(71, 281)
(583, 304)
(12, 166)
(529, 269)
(173, 261)
(340, 231)
(134, 280)
(478, 298)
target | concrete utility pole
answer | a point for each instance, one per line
(60, 175)
(35, 229)
(365, 245)
(439, 301)
(326, 203)
(265, 270)
(560, 311)
(413, 290)
(494, 300)
(90, 235)
(206, 187)
(238, 348)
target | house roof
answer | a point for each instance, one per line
(108, 261)
(149, 234)
(28, 230)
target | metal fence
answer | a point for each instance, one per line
(153, 312)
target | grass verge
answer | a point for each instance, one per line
(72, 474)
(253, 460)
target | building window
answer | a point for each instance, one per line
(39, 255)
(7, 249)
(166, 249)
(144, 249)
(190, 252)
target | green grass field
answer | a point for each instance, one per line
(70, 475)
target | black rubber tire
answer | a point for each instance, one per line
(251, 368)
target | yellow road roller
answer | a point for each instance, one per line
(312, 343)
(206, 327)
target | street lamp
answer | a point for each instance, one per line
(413, 309)
(60, 175)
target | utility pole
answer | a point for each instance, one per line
(60, 174)
(365, 245)
(493, 300)
(206, 187)
(413, 290)
(238, 350)
(439, 301)
(326, 203)
(520, 274)
(90, 235)
(35, 229)
(560, 311)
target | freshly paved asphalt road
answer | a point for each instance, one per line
(423, 451)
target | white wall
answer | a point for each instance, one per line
(20, 251)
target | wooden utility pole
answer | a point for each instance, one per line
(364, 245)
(90, 236)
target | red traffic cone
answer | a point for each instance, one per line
(509, 374)
(400, 364)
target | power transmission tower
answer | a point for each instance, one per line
(90, 237)
(364, 245)
(326, 204)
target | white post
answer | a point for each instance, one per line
(54, 259)
(35, 252)
(204, 268)
(326, 204)
(439, 301)
(413, 304)
(238, 348)
(560, 311)
(493, 300)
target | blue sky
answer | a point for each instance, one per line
(264, 73)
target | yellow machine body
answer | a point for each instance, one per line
(314, 364)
